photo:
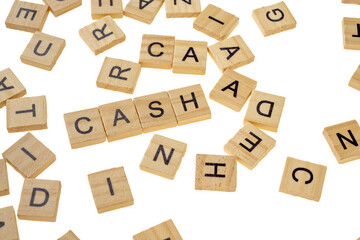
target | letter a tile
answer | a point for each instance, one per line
(10, 86)
(143, 10)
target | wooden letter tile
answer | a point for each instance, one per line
(163, 156)
(190, 104)
(102, 35)
(119, 75)
(102, 8)
(351, 1)
(43, 51)
(4, 180)
(233, 90)
(157, 51)
(120, 120)
(274, 19)
(231, 53)
(9, 228)
(182, 8)
(216, 23)
(69, 236)
(215, 173)
(303, 179)
(84, 128)
(351, 33)
(26, 114)
(39, 200)
(143, 10)
(10, 87)
(190, 57)
(344, 139)
(155, 112)
(265, 110)
(110, 189)
(165, 230)
(27, 16)
(354, 81)
(250, 145)
(29, 156)
(63, 6)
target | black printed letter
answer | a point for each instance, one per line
(3, 86)
(231, 51)
(274, 11)
(32, 110)
(193, 99)
(352, 141)
(193, 54)
(77, 125)
(216, 165)
(37, 47)
(27, 13)
(33, 194)
(253, 145)
(305, 170)
(121, 117)
(154, 108)
(235, 89)
(166, 159)
(151, 53)
(101, 31)
(270, 108)
(119, 72)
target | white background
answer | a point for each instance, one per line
(307, 65)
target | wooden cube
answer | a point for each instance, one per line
(69, 236)
(110, 189)
(39, 200)
(29, 156)
(26, 114)
(143, 10)
(4, 180)
(43, 51)
(233, 90)
(354, 81)
(190, 57)
(10, 86)
(155, 112)
(102, 8)
(182, 8)
(59, 7)
(157, 51)
(102, 35)
(351, 1)
(231, 53)
(27, 16)
(264, 110)
(84, 128)
(163, 156)
(303, 179)
(120, 120)
(215, 173)
(8, 224)
(190, 104)
(118, 75)
(215, 22)
(165, 230)
(250, 145)
(351, 33)
(274, 19)
(344, 139)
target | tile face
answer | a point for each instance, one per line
(231, 53)
(182, 8)
(165, 230)
(27, 16)
(354, 81)
(39, 200)
(351, 1)
(344, 139)
(163, 156)
(119, 75)
(215, 22)
(102, 35)
(59, 7)
(215, 173)
(120, 120)
(303, 179)
(190, 57)
(69, 236)
(29, 156)
(274, 19)
(102, 8)
(110, 189)
(84, 128)
(155, 112)
(9, 228)
(264, 110)
(43, 51)
(233, 90)
(4, 180)
(250, 145)
(190, 104)
(143, 10)
(10, 86)
(26, 114)
(157, 51)
(351, 33)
